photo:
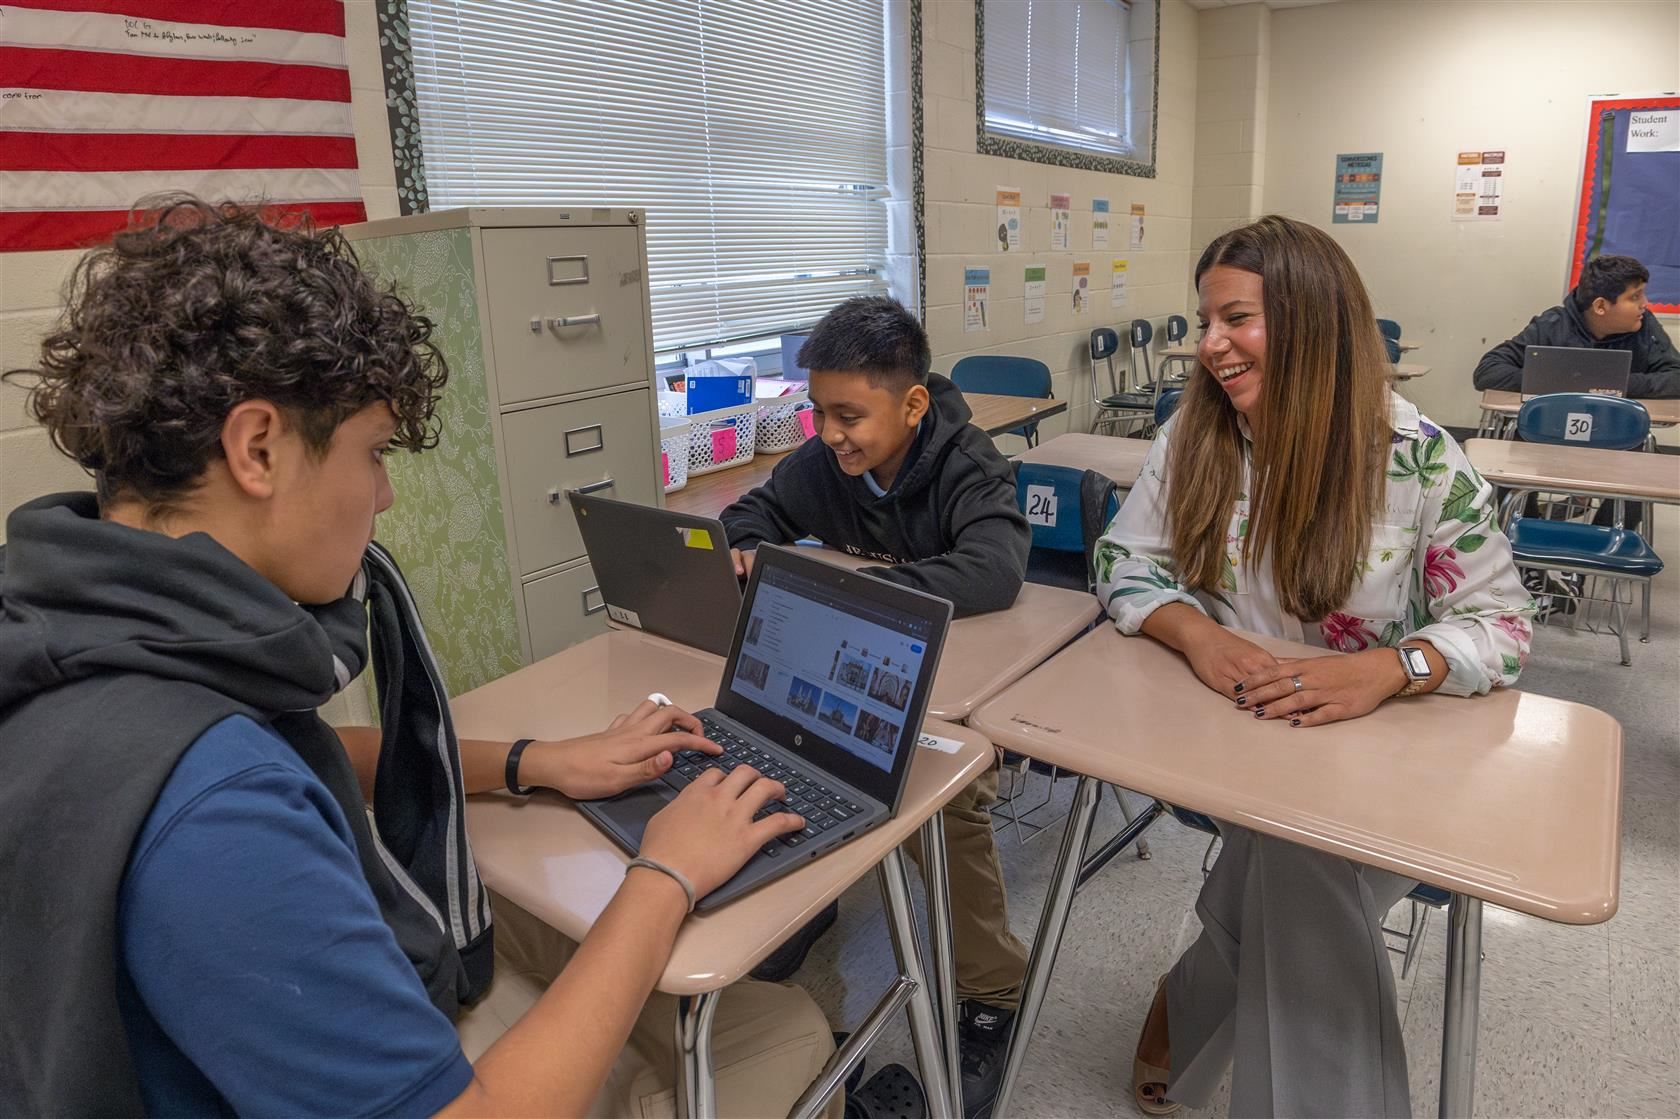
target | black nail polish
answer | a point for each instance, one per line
(1239, 689)
(1259, 711)
(1242, 702)
(1294, 722)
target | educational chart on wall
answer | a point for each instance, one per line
(1117, 286)
(1479, 186)
(1061, 220)
(1009, 219)
(1081, 286)
(977, 293)
(1033, 289)
(1136, 239)
(1630, 180)
(1358, 187)
(1099, 223)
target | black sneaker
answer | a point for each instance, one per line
(1555, 594)
(983, 1038)
(780, 965)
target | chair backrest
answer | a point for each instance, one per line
(1584, 419)
(1002, 376)
(1165, 404)
(1177, 328)
(1104, 343)
(1049, 496)
(1142, 332)
(1393, 349)
(1390, 329)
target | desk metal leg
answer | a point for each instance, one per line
(696, 1090)
(924, 1021)
(1462, 1007)
(1064, 883)
(936, 879)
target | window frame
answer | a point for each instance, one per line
(1010, 147)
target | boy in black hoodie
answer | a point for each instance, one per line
(897, 473)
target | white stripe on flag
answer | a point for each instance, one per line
(53, 110)
(118, 190)
(96, 31)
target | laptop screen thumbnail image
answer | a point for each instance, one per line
(831, 662)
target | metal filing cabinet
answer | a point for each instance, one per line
(542, 315)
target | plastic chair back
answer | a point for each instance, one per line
(1393, 349)
(1104, 343)
(1050, 498)
(1002, 376)
(1142, 332)
(1177, 328)
(1166, 404)
(1584, 419)
(1390, 329)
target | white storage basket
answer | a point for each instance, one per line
(674, 441)
(710, 445)
(781, 423)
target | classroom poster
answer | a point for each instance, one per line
(1358, 187)
(1009, 219)
(1099, 223)
(1625, 206)
(977, 293)
(1061, 219)
(1034, 290)
(1081, 286)
(1654, 130)
(1117, 286)
(1478, 186)
(1136, 240)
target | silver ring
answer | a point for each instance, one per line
(1296, 680)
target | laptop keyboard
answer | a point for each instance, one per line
(822, 808)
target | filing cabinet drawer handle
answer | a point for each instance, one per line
(563, 321)
(557, 495)
(572, 449)
(598, 607)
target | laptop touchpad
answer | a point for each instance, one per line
(630, 811)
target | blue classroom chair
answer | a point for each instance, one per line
(1084, 503)
(1005, 376)
(1390, 329)
(1167, 405)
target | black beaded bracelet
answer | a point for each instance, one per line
(512, 775)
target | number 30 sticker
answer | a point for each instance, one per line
(1577, 427)
(1041, 506)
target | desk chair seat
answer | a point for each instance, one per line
(1135, 401)
(1542, 543)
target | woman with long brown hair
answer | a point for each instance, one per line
(1295, 495)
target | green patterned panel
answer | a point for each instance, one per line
(446, 528)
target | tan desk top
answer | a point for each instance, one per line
(1408, 371)
(1511, 797)
(1109, 455)
(542, 855)
(997, 414)
(1663, 411)
(1594, 471)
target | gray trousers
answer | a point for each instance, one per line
(1290, 986)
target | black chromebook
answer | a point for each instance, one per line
(825, 689)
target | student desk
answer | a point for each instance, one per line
(1589, 471)
(1500, 408)
(1111, 456)
(1511, 798)
(542, 855)
(997, 414)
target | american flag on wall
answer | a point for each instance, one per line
(105, 101)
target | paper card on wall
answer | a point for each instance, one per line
(1034, 292)
(977, 290)
(1061, 219)
(808, 423)
(665, 469)
(1099, 223)
(1478, 186)
(1041, 506)
(1117, 288)
(1008, 219)
(1653, 130)
(1577, 427)
(724, 445)
(1358, 187)
(1081, 286)
(1136, 240)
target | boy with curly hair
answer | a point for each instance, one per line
(196, 919)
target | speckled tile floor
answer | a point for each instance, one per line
(1574, 1021)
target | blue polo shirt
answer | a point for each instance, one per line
(255, 974)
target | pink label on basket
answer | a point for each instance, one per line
(807, 424)
(723, 444)
(665, 468)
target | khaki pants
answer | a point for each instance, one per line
(769, 1040)
(991, 961)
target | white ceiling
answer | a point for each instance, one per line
(1268, 3)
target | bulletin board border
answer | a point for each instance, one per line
(1589, 168)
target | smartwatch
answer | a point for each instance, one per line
(1416, 667)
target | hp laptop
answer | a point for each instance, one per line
(825, 689)
(1549, 369)
(667, 573)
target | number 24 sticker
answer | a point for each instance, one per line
(1041, 505)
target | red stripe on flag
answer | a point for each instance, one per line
(97, 72)
(124, 151)
(322, 17)
(34, 230)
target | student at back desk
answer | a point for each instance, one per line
(897, 473)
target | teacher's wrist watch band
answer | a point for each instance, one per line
(1417, 669)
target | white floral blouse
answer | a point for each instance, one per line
(1439, 568)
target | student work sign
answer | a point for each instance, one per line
(1358, 187)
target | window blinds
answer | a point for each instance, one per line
(753, 134)
(1056, 73)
